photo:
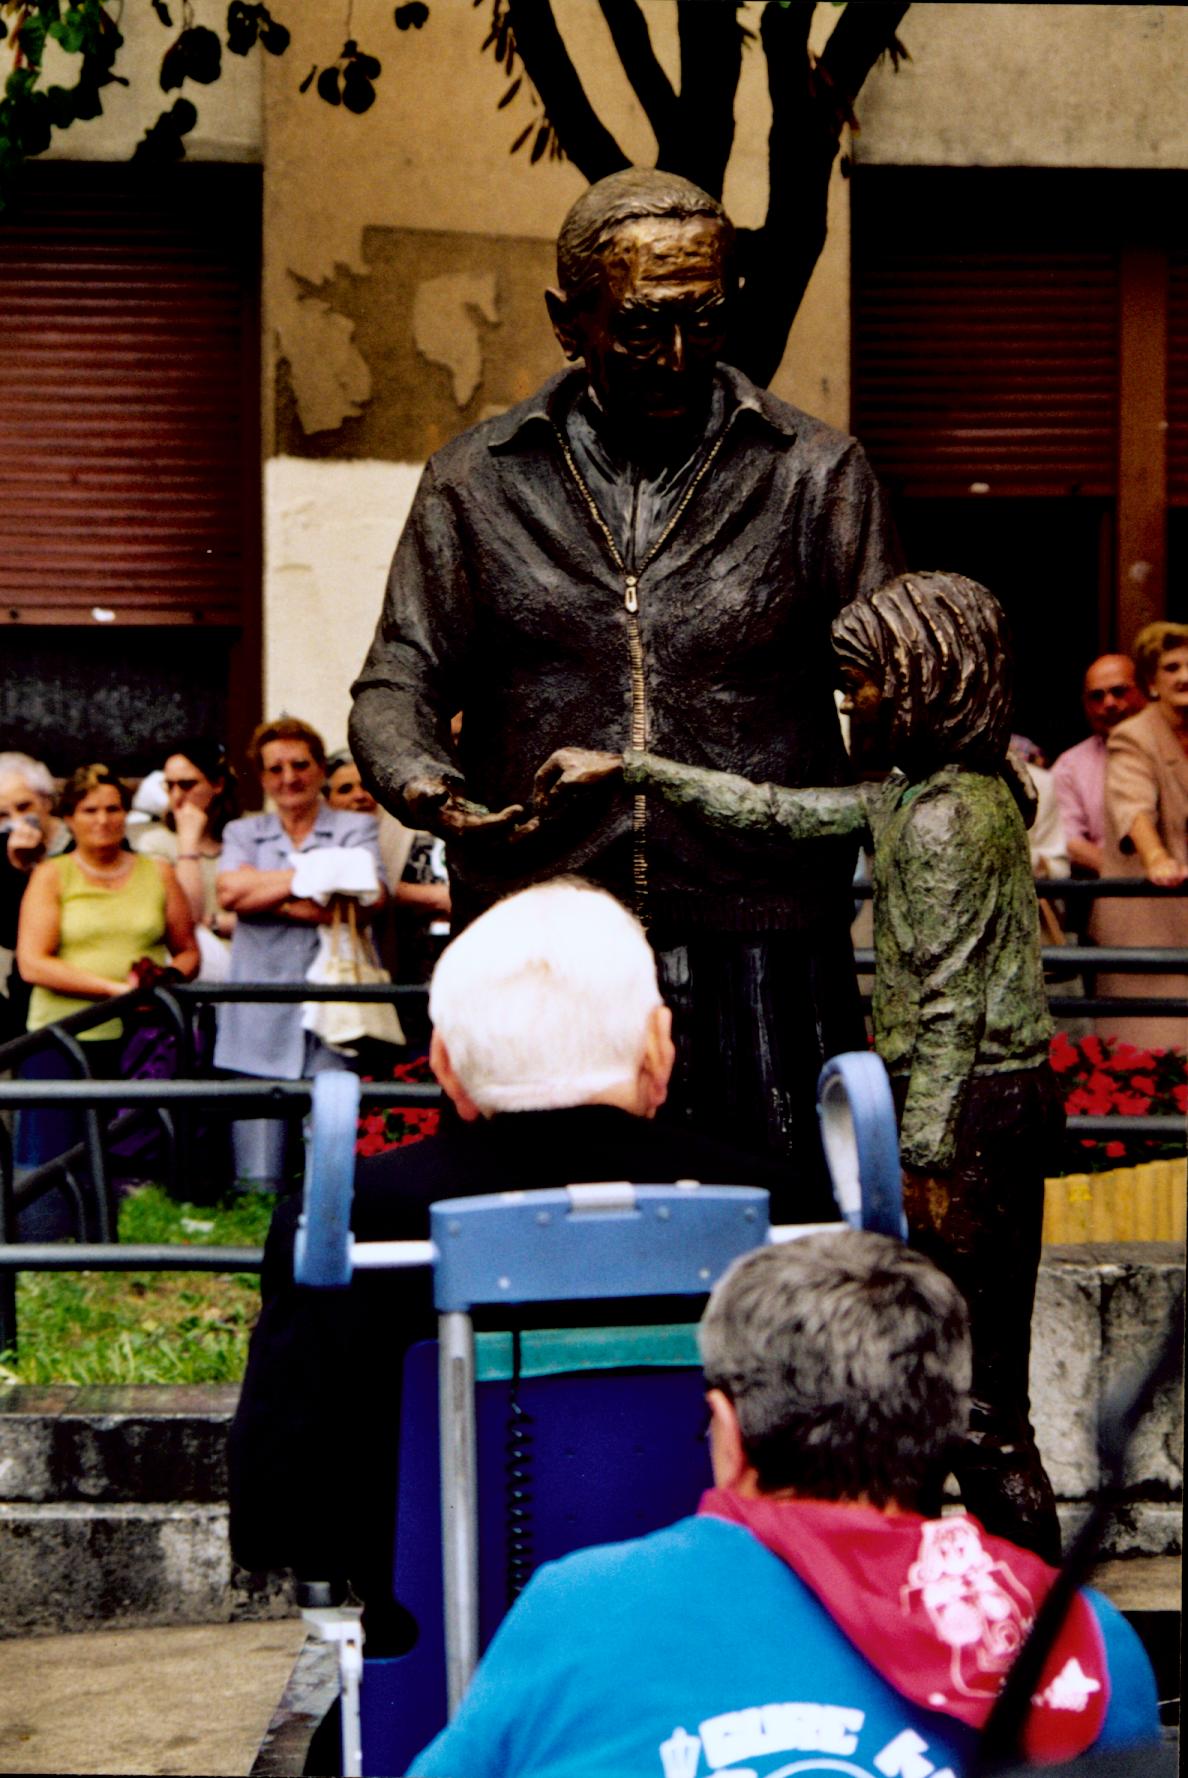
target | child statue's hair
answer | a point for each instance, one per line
(938, 646)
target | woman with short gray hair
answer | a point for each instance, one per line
(868, 1412)
(31, 831)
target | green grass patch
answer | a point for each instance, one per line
(145, 1327)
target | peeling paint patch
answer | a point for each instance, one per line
(330, 379)
(445, 321)
(422, 312)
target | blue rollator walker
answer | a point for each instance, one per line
(516, 1447)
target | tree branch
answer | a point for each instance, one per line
(809, 106)
(651, 85)
(711, 61)
(862, 34)
(582, 134)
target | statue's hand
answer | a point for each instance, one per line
(462, 819)
(436, 806)
(569, 769)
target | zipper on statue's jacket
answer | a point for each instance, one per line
(635, 650)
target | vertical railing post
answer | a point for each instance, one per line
(102, 1219)
(8, 1231)
(459, 1501)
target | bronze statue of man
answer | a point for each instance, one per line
(649, 552)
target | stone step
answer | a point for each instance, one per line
(125, 1443)
(81, 1565)
(113, 1511)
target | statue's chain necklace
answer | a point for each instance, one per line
(639, 707)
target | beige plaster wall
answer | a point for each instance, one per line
(1032, 85)
(228, 127)
(329, 533)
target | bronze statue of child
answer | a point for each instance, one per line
(959, 1010)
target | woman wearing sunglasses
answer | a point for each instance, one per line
(203, 798)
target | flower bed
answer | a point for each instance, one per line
(395, 1126)
(1105, 1077)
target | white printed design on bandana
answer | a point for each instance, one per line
(975, 1604)
(1071, 1689)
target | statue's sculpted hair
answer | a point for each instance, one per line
(604, 207)
(939, 646)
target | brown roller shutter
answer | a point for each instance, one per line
(1177, 379)
(129, 461)
(990, 372)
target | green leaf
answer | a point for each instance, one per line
(31, 38)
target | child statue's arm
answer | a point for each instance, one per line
(768, 811)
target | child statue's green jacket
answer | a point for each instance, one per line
(959, 983)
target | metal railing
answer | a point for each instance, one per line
(173, 1102)
(83, 1170)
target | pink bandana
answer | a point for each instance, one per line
(939, 1608)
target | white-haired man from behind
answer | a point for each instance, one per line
(552, 1042)
(547, 1002)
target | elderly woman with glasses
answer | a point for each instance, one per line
(1146, 833)
(276, 932)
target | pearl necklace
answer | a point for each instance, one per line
(108, 876)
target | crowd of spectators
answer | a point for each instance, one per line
(97, 895)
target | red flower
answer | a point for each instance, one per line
(1132, 1104)
(1064, 1055)
(1180, 1095)
(1093, 1051)
(1115, 1150)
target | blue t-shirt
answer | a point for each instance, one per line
(697, 1653)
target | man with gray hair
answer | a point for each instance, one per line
(551, 1040)
(648, 552)
(811, 1617)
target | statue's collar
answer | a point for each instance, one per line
(553, 399)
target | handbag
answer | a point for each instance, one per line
(345, 957)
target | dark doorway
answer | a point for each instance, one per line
(1042, 560)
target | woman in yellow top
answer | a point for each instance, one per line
(86, 918)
